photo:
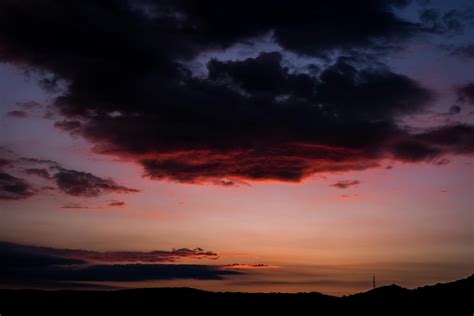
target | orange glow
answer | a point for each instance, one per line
(237, 266)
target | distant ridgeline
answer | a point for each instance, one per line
(448, 299)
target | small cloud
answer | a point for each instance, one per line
(454, 109)
(74, 206)
(442, 162)
(466, 93)
(17, 114)
(345, 184)
(116, 204)
(230, 182)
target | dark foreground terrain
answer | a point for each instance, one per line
(455, 298)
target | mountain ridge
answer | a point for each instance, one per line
(453, 298)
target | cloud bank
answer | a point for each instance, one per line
(128, 89)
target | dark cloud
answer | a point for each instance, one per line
(345, 184)
(156, 256)
(13, 188)
(68, 125)
(82, 206)
(49, 84)
(75, 206)
(454, 109)
(47, 162)
(465, 51)
(85, 184)
(281, 126)
(451, 21)
(413, 151)
(43, 173)
(116, 204)
(17, 114)
(5, 163)
(56, 285)
(457, 139)
(306, 27)
(127, 88)
(33, 264)
(16, 256)
(432, 144)
(119, 272)
(72, 182)
(466, 93)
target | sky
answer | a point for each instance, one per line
(277, 146)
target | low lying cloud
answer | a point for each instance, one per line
(17, 114)
(116, 256)
(31, 264)
(119, 272)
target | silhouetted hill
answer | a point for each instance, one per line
(451, 299)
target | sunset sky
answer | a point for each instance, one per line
(282, 146)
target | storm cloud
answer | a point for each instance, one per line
(128, 89)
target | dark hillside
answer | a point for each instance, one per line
(453, 298)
